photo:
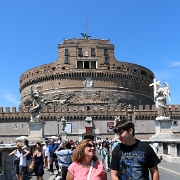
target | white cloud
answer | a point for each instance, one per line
(10, 98)
(174, 63)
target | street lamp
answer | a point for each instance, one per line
(58, 120)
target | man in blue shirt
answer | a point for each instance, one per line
(52, 155)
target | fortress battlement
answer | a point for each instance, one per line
(88, 108)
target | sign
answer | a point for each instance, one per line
(110, 126)
(89, 130)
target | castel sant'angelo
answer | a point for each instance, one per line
(91, 89)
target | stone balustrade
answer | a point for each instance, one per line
(7, 170)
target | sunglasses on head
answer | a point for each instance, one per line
(90, 145)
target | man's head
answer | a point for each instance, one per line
(126, 131)
(52, 141)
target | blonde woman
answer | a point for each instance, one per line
(20, 161)
(85, 164)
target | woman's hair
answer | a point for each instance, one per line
(38, 144)
(106, 145)
(79, 153)
(67, 145)
(19, 145)
(26, 142)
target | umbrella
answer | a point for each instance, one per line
(21, 137)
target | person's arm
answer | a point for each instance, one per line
(58, 148)
(34, 154)
(13, 152)
(154, 173)
(114, 175)
(26, 152)
(71, 177)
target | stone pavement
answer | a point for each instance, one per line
(172, 168)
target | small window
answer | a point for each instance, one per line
(93, 52)
(79, 51)
(66, 61)
(88, 108)
(105, 52)
(106, 60)
(66, 52)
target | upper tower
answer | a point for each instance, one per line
(86, 72)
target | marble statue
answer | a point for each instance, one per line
(116, 120)
(160, 95)
(37, 105)
(63, 122)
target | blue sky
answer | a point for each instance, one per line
(145, 32)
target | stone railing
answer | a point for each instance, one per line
(7, 169)
(169, 150)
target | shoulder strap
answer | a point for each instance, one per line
(90, 170)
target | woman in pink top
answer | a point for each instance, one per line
(85, 164)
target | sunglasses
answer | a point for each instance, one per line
(90, 145)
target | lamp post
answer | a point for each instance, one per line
(58, 120)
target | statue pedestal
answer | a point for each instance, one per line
(36, 131)
(63, 135)
(163, 129)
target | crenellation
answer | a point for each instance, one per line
(147, 107)
(14, 109)
(141, 107)
(7, 109)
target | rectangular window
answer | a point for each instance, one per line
(93, 52)
(86, 64)
(79, 51)
(66, 52)
(66, 61)
(106, 60)
(105, 52)
(80, 64)
(93, 64)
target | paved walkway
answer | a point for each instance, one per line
(173, 168)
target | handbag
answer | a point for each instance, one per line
(31, 166)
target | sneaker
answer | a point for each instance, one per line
(47, 169)
(51, 173)
(58, 178)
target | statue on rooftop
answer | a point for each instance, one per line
(37, 105)
(160, 95)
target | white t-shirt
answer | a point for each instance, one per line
(22, 160)
(46, 150)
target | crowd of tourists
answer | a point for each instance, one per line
(125, 158)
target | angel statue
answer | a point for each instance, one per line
(37, 103)
(160, 94)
